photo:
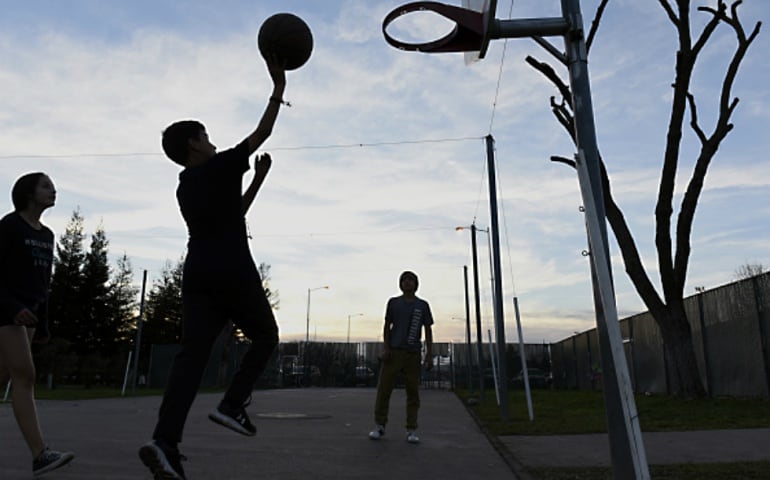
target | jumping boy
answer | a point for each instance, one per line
(220, 279)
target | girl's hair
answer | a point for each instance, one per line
(24, 190)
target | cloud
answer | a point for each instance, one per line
(380, 156)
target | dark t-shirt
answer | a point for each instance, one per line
(210, 200)
(26, 259)
(408, 318)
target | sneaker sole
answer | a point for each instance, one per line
(154, 459)
(226, 421)
(63, 460)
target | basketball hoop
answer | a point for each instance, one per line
(471, 31)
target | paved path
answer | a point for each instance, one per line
(303, 434)
(711, 446)
(322, 434)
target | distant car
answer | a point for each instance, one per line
(296, 375)
(538, 378)
(364, 376)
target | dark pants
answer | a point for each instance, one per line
(407, 363)
(205, 313)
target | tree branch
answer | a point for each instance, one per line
(694, 119)
(718, 16)
(669, 11)
(631, 259)
(564, 116)
(710, 145)
(595, 24)
(551, 75)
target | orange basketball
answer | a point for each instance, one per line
(288, 37)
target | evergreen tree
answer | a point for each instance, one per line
(96, 329)
(272, 295)
(122, 302)
(67, 278)
(163, 308)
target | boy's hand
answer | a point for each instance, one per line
(428, 362)
(262, 164)
(277, 69)
(385, 355)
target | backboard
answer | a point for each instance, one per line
(488, 9)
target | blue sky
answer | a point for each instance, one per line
(382, 154)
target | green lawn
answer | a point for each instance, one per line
(574, 412)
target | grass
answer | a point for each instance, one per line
(711, 471)
(558, 412)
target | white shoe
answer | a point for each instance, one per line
(377, 433)
(412, 437)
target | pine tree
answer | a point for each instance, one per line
(96, 331)
(163, 309)
(122, 302)
(64, 313)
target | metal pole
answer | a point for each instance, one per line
(125, 375)
(139, 334)
(498, 297)
(494, 370)
(523, 356)
(468, 330)
(307, 319)
(626, 445)
(479, 349)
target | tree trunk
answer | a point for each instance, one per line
(683, 373)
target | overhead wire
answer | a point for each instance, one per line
(497, 169)
(278, 148)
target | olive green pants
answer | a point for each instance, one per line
(407, 363)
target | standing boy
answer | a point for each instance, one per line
(220, 279)
(405, 317)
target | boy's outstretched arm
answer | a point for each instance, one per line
(265, 126)
(428, 347)
(262, 164)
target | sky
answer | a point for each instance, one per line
(381, 155)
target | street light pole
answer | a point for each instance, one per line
(307, 336)
(468, 330)
(479, 347)
(307, 322)
(352, 315)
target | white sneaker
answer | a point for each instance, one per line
(377, 433)
(412, 437)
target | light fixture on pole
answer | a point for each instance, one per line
(352, 315)
(307, 322)
(479, 341)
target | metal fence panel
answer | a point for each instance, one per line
(734, 342)
(648, 360)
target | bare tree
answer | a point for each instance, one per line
(749, 270)
(673, 253)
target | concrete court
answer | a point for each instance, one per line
(303, 434)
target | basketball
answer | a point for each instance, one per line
(288, 37)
